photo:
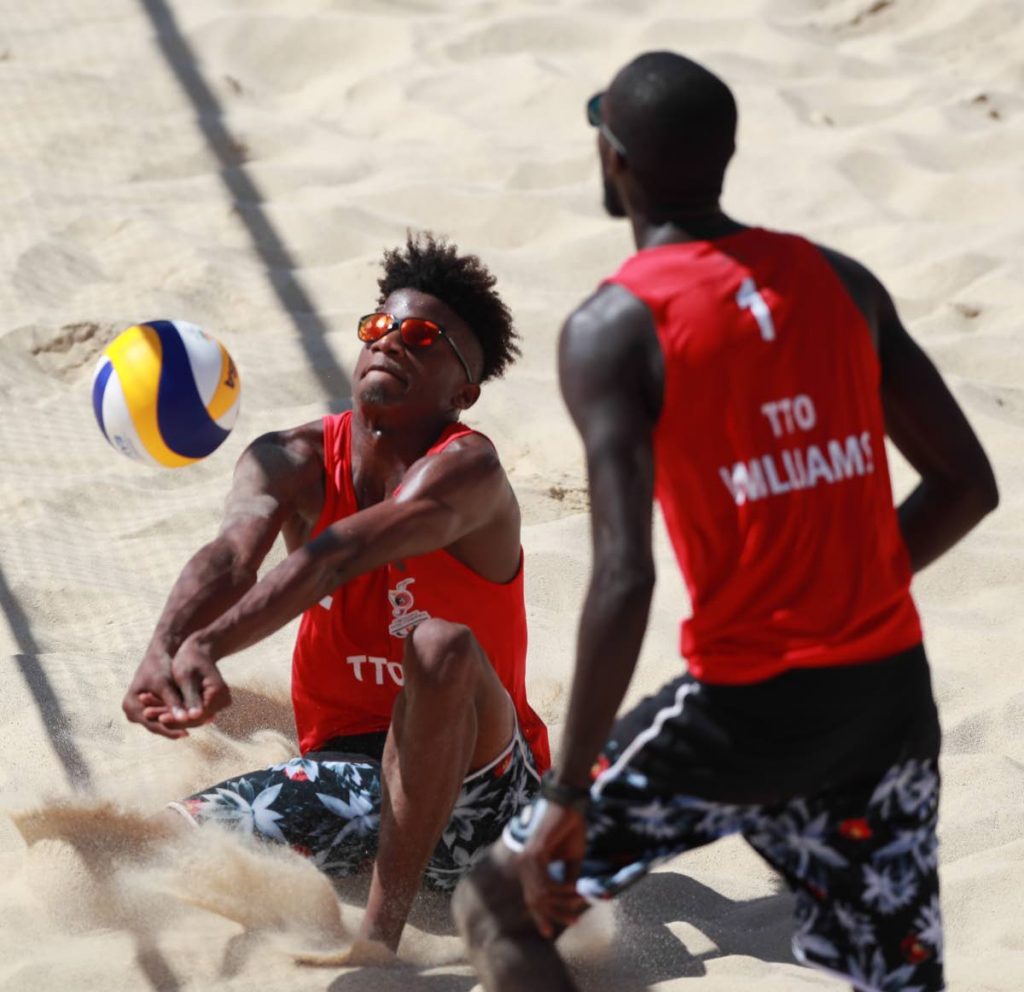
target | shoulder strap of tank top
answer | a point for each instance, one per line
(453, 432)
(337, 469)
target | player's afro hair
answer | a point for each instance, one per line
(433, 265)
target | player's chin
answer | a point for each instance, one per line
(612, 202)
(381, 392)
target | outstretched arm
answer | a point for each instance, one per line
(443, 498)
(276, 477)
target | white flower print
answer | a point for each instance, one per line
(929, 927)
(913, 786)
(245, 816)
(921, 845)
(888, 888)
(467, 810)
(872, 975)
(338, 862)
(721, 820)
(814, 947)
(299, 769)
(360, 812)
(807, 842)
(858, 926)
(653, 820)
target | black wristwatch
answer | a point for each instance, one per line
(570, 796)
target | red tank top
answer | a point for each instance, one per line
(347, 664)
(770, 461)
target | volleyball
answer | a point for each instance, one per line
(165, 393)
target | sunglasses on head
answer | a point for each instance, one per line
(594, 119)
(416, 332)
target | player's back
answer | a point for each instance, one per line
(770, 459)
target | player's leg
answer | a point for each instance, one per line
(324, 806)
(504, 946)
(863, 864)
(452, 716)
(638, 817)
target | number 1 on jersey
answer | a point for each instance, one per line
(749, 298)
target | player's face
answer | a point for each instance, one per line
(424, 363)
(608, 147)
(612, 200)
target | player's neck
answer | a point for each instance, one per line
(705, 224)
(389, 436)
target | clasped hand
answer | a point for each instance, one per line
(169, 695)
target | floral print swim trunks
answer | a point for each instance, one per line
(327, 806)
(831, 776)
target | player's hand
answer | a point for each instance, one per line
(152, 692)
(549, 866)
(202, 689)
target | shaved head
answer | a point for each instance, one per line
(677, 121)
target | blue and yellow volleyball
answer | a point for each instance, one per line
(165, 393)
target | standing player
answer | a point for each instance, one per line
(408, 677)
(746, 379)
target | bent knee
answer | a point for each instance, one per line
(440, 651)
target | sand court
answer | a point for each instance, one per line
(242, 165)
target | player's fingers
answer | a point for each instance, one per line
(168, 692)
(216, 695)
(549, 903)
(565, 908)
(191, 685)
(155, 726)
(174, 721)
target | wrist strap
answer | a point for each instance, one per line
(572, 797)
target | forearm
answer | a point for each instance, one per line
(935, 516)
(305, 577)
(610, 635)
(211, 582)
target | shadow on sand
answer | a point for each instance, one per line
(645, 950)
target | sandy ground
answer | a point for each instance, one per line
(242, 165)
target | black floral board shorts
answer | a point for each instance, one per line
(327, 807)
(853, 833)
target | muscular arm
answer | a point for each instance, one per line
(926, 424)
(611, 378)
(924, 421)
(443, 498)
(276, 477)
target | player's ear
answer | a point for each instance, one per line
(466, 395)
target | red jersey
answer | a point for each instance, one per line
(347, 664)
(770, 461)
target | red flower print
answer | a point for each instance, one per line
(914, 952)
(601, 765)
(858, 829)
(296, 774)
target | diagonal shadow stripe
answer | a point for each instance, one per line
(248, 200)
(52, 713)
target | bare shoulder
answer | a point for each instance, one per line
(611, 316)
(865, 288)
(609, 349)
(292, 448)
(469, 463)
(281, 472)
